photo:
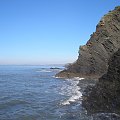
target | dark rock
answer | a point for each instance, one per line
(54, 68)
(105, 95)
(93, 57)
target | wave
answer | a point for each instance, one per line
(78, 78)
(72, 90)
(56, 77)
(75, 78)
(72, 99)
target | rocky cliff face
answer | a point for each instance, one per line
(93, 57)
(105, 95)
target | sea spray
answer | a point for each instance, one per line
(73, 90)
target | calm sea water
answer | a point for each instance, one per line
(33, 93)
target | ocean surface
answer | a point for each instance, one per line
(33, 93)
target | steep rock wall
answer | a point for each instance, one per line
(93, 57)
(105, 95)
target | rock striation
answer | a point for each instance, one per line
(105, 95)
(93, 57)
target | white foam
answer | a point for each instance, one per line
(72, 99)
(78, 78)
(72, 90)
(75, 78)
(56, 77)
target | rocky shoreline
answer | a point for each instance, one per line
(99, 60)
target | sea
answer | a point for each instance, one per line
(34, 93)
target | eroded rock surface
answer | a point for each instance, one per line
(93, 57)
(105, 95)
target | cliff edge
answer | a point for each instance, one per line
(93, 57)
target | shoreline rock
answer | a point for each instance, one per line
(105, 95)
(93, 57)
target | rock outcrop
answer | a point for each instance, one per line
(93, 57)
(105, 95)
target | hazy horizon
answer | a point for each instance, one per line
(46, 64)
(38, 32)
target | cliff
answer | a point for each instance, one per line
(93, 57)
(105, 95)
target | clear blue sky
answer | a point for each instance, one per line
(47, 31)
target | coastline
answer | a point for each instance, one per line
(94, 56)
(80, 85)
(70, 75)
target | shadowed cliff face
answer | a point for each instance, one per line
(93, 57)
(105, 95)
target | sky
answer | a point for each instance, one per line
(35, 32)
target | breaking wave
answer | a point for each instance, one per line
(72, 91)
